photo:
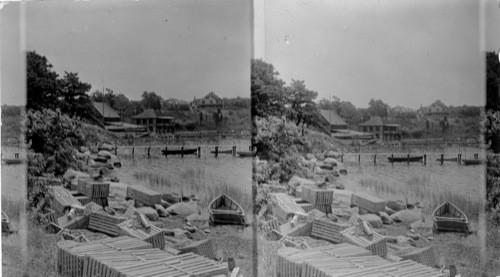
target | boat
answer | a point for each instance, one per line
(224, 210)
(405, 159)
(447, 217)
(447, 159)
(246, 154)
(12, 161)
(5, 223)
(186, 151)
(471, 161)
(223, 152)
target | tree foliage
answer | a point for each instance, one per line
(378, 108)
(267, 90)
(150, 100)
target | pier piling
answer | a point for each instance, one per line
(182, 152)
(342, 157)
(375, 159)
(442, 159)
(459, 159)
(216, 151)
(392, 159)
(425, 159)
(408, 158)
(234, 150)
(132, 152)
(149, 150)
(199, 152)
(359, 159)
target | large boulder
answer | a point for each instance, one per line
(160, 210)
(320, 156)
(326, 166)
(333, 154)
(149, 212)
(331, 161)
(84, 149)
(373, 219)
(171, 197)
(105, 154)
(386, 219)
(71, 174)
(395, 205)
(309, 156)
(106, 147)
(407, 217)
(183, 209)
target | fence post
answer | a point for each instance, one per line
(342, 157)
(359, 159)
(234, 150)
(442, 159)
(476, 156)
(166, 149)
(216, 151)
(133, 151)
(199, 151)
(392, 159)
(182, 151)
(375, 159)
(149, 149)
(425, 159)
(460, 158)
(408, 158)
(116, 150)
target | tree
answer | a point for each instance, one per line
(492, 81)
(73, 93)
(42, 85)
(150, 100)
(301, 101)
(267, 90)
(378, 108)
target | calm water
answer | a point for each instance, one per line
(225, 169)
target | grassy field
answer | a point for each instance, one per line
(427, 194)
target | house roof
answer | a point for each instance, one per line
(149, 113)
(332, 117)
(374, 121)
(105, 110)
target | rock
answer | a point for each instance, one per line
(172, 197)
(105, 154)
(362, 211)
(190, 229)
(94, 149)
(386, 219)
(106, 147)
(183, 208)
(321, 185)
(84, 149)
(149, 212)
(309, 156)
(326, 167)
(165, 204)
(331, 161)
(80, 156)
(373, 219)
(308, 164)
(389, 211)
(333, 154)
(320, 156)
(412, 236)
(207, 231)
(339, 186)
(343, 171)
(405, 216)
(160, 210)
(395, 205)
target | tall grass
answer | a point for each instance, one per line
(197, 182)
(422, 190)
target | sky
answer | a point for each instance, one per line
(180, 49)
(406, 53)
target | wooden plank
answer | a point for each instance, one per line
(327, 230)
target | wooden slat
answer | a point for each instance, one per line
(144, 195)
(328, 230)
(368, 202)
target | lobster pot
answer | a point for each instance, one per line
(130, 212)
(307, 207)
(78, 222)
(101, 201)
(377, 244)
(317, 196)
(424, 256)
(327, 230)
(70, 254)
(291, 262)
(406, 268)
(296, 231)
(50, 217)
(105, 223)
(188, 264)
(325, 208)
(106, 264)
(84, 200)
(144, 195)
(92, 189)
(74, 186)
(134, 229)
(273, 223)
(203, 248)
(335, 266)
(62, 199)
(368, 202)
(355, 218)
(283, 206)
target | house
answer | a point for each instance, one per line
(334, 120)
(210, 101)
(381, 129)
(435, 109)
(154, 121)
(106, 112)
